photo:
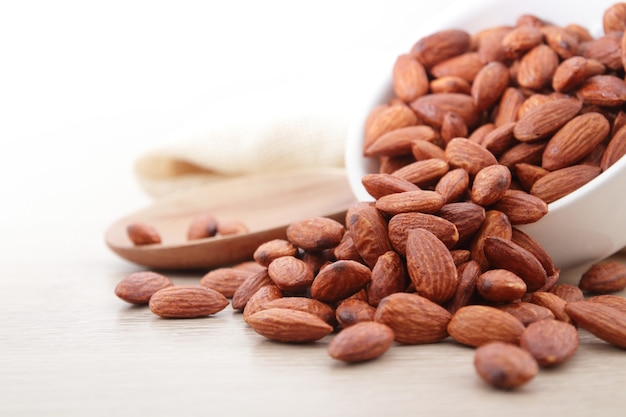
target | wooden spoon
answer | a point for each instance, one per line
(266, 204)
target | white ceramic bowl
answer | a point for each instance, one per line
(581, 228)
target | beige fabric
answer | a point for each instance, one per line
(271, 129)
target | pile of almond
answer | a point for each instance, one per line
(483, 132)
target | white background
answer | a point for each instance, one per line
(88, 86)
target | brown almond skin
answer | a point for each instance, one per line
(505, 254)
(450, 84)
(500, 139)
(339, 280)
(463, 153)
(606, 50)
(550, 342)
(432, 108)
(422, 149)
(453, 185)
(378, 185)
(138, 287)
(476, 325)
(557, 184)
(344, 250)
(614, 301)
(362, 342)
(202, 226)
(489, 85)
(575, 140)
(266, 252)
(410, 79)
(468, 273)
(453, 126)
(496, 224)
(574, 71)
(606, 323)
(400, 225)
(521, 207)
(368, 229)
(552, 302)
(527, 174)
(504, 365)
(258, 300)
(490, 184)
(430, 266)
(440, 46)
(520, 40)
(308, 305)
(352, 311)
(525, 152)
(603, 90)
(467, 217)
(500, 285)
(527, 242)
(413, 318)
(545, 119)
(564, 43)
(614, 18)
(615, 150)
(510, 102)
(225, 280)
(186, 301)
(386, 118)
(424, 172)
(537, 67)
(465, 66)
(315, 233)
(568, 292)
(526, 312)
(247, 288)
(389, 276)
(141, 234)
(424, 201)
(604, 277)
(289, 326)
(290, 274)
(398, 142)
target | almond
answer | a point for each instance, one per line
(361, 342)
(378, 185)
(401, 224)
(422, 173)
(368, 229)
(614, 18)
(463, 153)
(430, 266)
(258, 300)
(604, 277)
(500, 139)
(422, 149)
(468, 274)
(550, 342)
(410, 79)
(290, 274)
(606, 323)
(315, 233)
(287, 325)
(530, 244)
(497, 224)
(476, 325)
(466, 217)
(352, 311)
(399, 141)
(490, 184)
(453, 185)
(450, 84)
(186, 301)
(537, 67)
(574, 71)
(346, 249)
(202, 226)
(389, 276)
(266, 252)
(414, 319)
(545, 119)
(520, 40)
(440, 46)
(490, 47)
(568, 292)
(509, 105)
(552, 302)
(615, 150)
(452, 126)
(422, 200)
(141, 234)
(500, 285)
(386, 118)
(340, 280)
(308, 305)
(247, 288)
(525, 152)
(505, 254)
(225, 280)
(561, 41)
(489, 84)
(613, 301)
(504, 365)
(575, 140)
(527, 174)
(521, 207)
(138, 287)
(559, 183)
(603, 90)
(607, 50)
(432, 108)
(465, 66)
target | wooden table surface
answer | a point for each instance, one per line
(70, 347)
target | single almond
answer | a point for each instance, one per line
(389, 276)
(291, 274)
(527, 174)
(138, 287)
(564, 43)
(603, 90)
(450, 84)
(605, 49)
(453, 185)
(362, 342)
(225, 280)
(606, 323)
(521, 207)
(573, 71)
(346, 249)
(523, 153)
(424, 201)
(520, 40)
(504, 365)
(463, 153)
(452, 126)
(410, 79)
(378, 185)
(467, 217)
(550, 342)
(495, 224)
(368, 229)
(315, 233)
(287, 325)
(141, 233)
(202, 226)
(423, 150)
(476, 325)
(430, 266)
(559, 183)
(500, 285)
(308, 305)
(267, 251)
(340, 280)
(352, 311)
(530, 244)
(615, 150)
(575, 140)
(537, 67)
(604, 277)
(552, 302)
(465, 66)
(386, 118)
(568, 292)
(414, 319)
(468, 273)
(248, 287)
(400, 225)
(440, 46)
(258, 300)
(399, 141)
(186, 301)
(489, 85)
(507, 110)
(432, 108)
(490, 184)
(423, 173)
(500, 139)
(505, 254)
(614, 18)
(545, 119)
